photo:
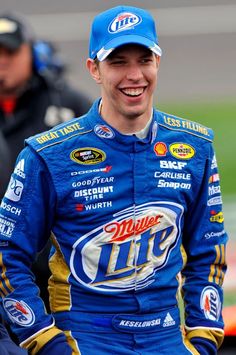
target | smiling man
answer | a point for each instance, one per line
(129, 196)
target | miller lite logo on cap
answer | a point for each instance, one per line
(124, 21)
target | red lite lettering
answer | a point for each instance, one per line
(125, 229)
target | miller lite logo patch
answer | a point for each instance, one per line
(104, 131)
(126, 252)
(124, 21)
(19, 312)
(210, 303)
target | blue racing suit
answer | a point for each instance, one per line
(133, 222)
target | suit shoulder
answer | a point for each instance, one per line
(176, 123)
(59, 134)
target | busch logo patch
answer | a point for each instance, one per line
(126, 252)
(19, 312)
(210, 303)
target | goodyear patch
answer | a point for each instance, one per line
(182, 150)
(88, 156)
(180, 124)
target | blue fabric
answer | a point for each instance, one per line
(58, 345)
(204, 346)
(7, 346)
(157, 343)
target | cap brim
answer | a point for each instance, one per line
(104, 52)
(9, 42)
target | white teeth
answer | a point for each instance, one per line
(133, 92)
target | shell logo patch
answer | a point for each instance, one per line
(19, 312)
(160, 149)
(182, 150)
(88, 156)
(210, 303)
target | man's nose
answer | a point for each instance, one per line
(134, 73)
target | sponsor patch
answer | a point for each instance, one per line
(7, 226)
(217, 217)
(213, 190)
(172, 165)
(19, 169)
(168, 321)
(14, 190)
(94, 193)
(19, 312)
(88, 156)
(97, 180)
(106, 259)
(214, 201)
(210, 303)
(214, 178)
(182, 150)
(213, 163)
(123, 22)
(104, 131)
(9, 208)
(214, 234)
(160, 149)
(83, 172)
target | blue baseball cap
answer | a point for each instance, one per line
(122, 25)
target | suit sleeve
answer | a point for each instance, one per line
(204, 244)
(26, 217)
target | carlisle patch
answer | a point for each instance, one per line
(88, 156)
(182, 150)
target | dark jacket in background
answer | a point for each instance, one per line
(45, 103)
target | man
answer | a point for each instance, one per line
(33, 93)
(130, 196)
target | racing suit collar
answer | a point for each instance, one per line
(114, 138)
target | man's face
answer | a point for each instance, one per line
(15, 68)
(128, 78)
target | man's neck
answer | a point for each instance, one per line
(127, 125)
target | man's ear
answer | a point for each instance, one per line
(158, 60)
(93, 69)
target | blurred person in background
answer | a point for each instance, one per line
(34, 96)
(131, 198)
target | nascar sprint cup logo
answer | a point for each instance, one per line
(124, 21)
(126, 252)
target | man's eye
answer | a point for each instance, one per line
(146, 60)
